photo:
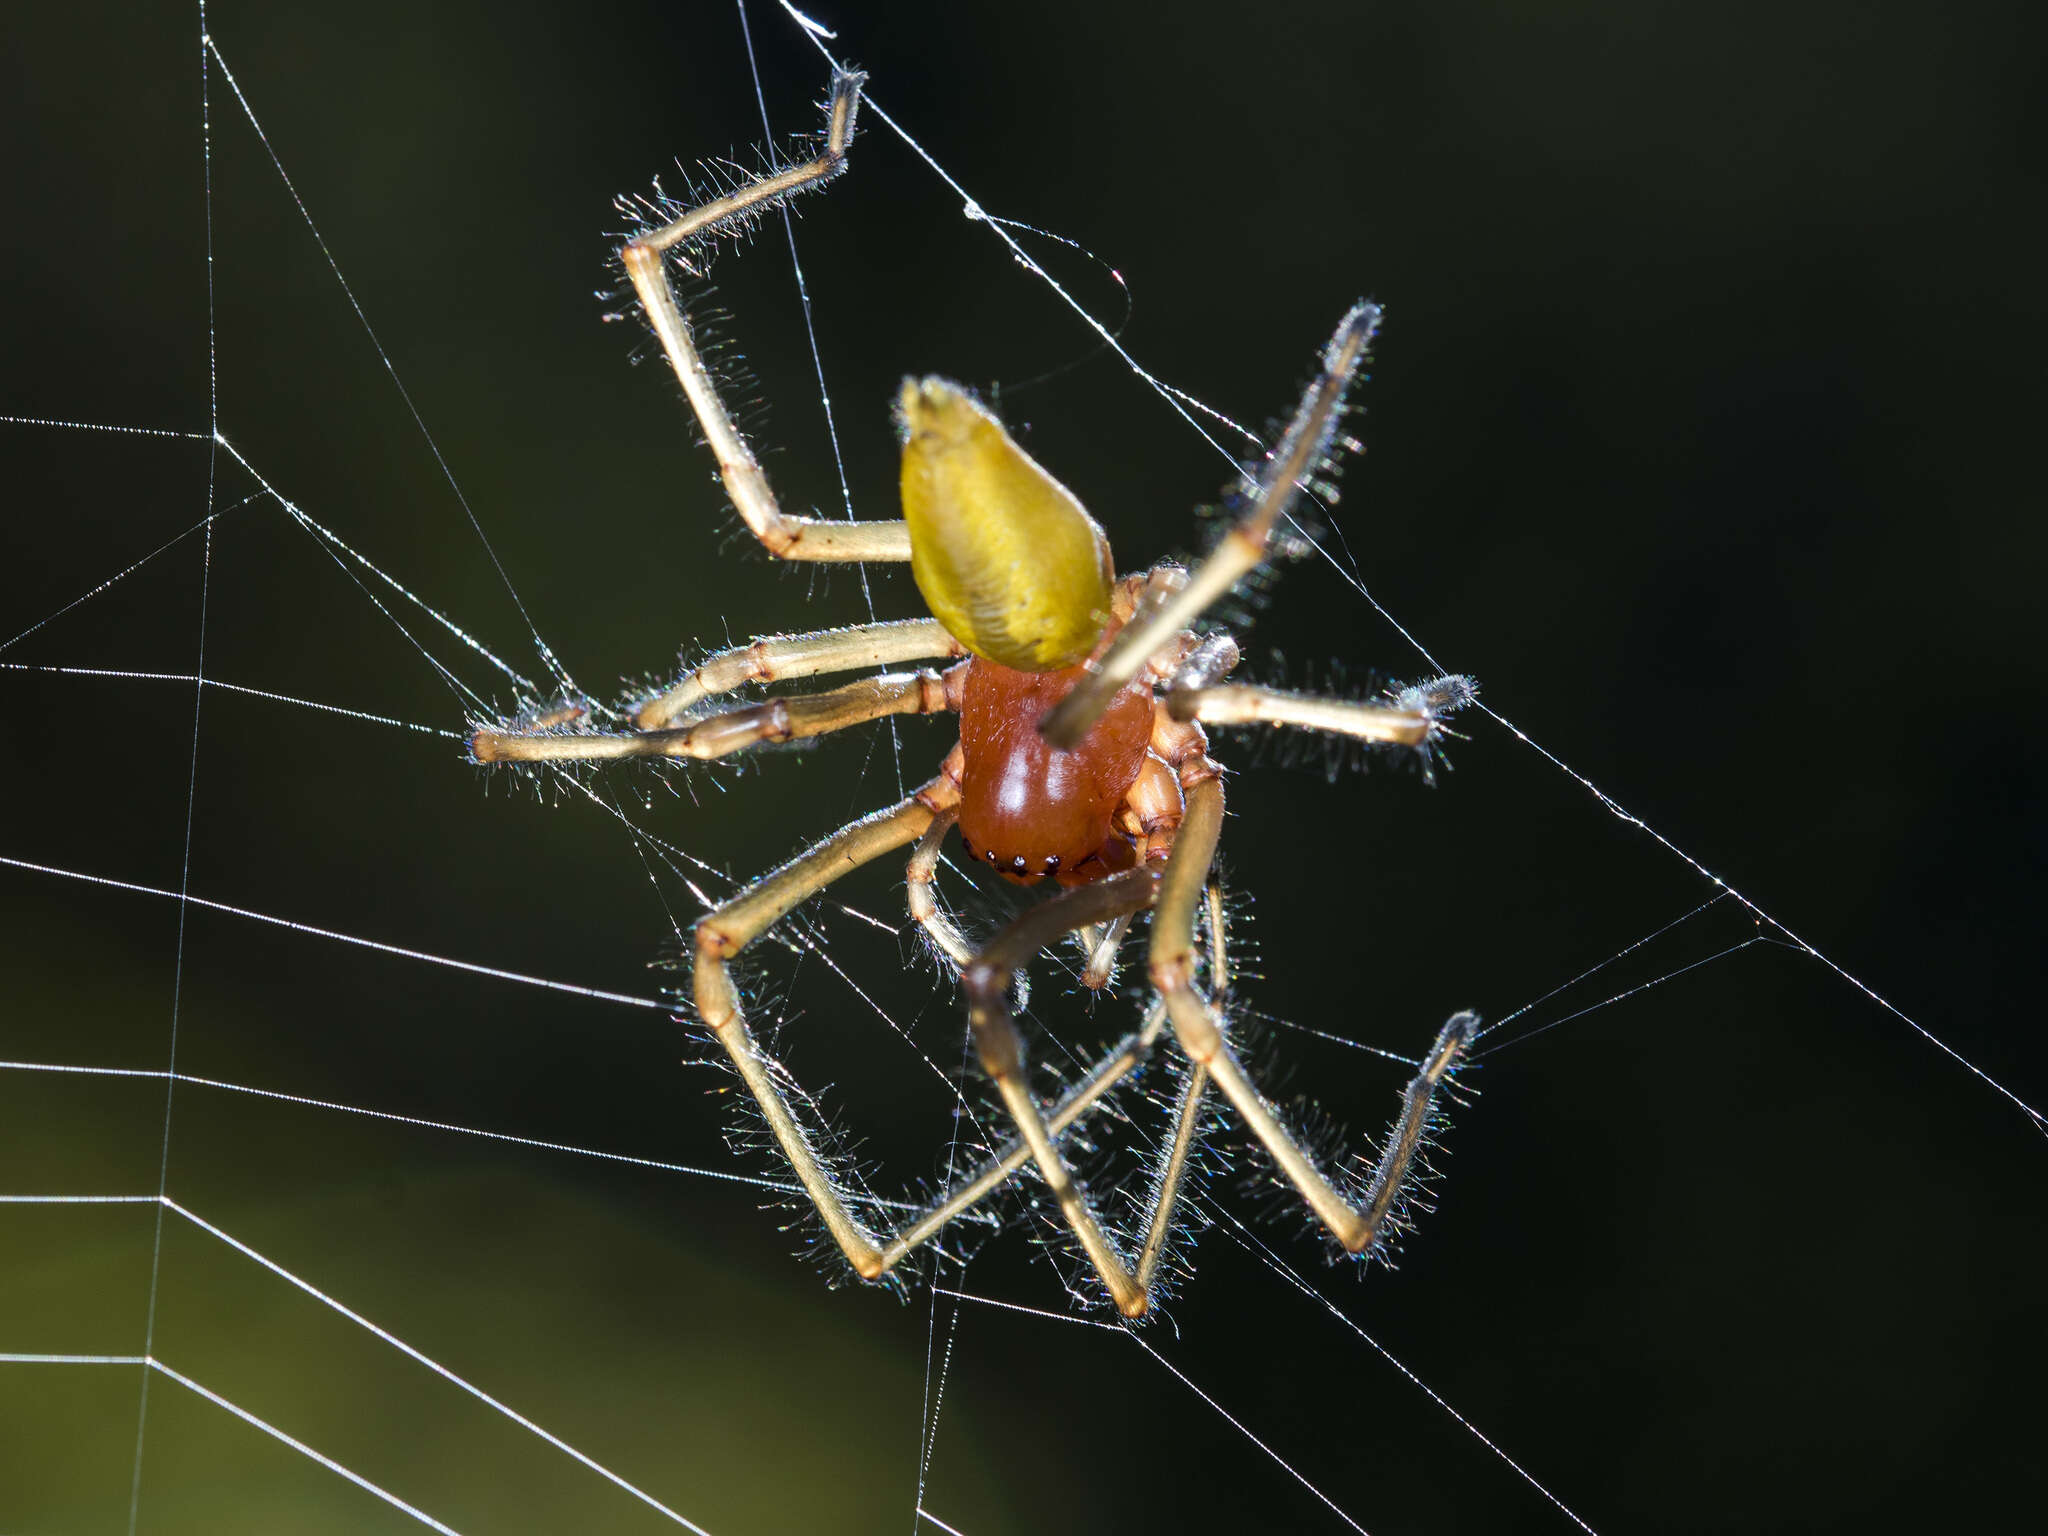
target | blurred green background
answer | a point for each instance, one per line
(1703, 432)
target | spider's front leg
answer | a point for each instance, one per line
(773, 658)
(791, 717)
(1303, 453)
(645, 258)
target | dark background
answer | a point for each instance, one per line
(1703, 433)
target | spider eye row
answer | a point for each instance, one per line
(1017, 864)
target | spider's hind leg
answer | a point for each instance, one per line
(1357, 1223)
(1001, 1047)
(721, 934)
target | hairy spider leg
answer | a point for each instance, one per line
(791, 717)
(645, 259)
(1245, 704)
(1302, 452)
(1199, 1029)
(723, 933)
(919, 875)
(1124, 1058)
(1101, 946)
(773, 658)
(1001, 1048)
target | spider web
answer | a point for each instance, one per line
(423, 1074)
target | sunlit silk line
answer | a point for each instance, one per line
(163, 1171)
(1620, 813)
(868, 918)
(567, 779)
(417, 1121)
(1017, 1306)
(547, 655)
(1243, 1429)
(1257, 1247)
(392, 1339)
(973, 209)
(214, 682)
(1622, 996)
(815, 944)
(935, 1399)
(321, 1457)
(97, 426)
(13, 1359)
(640, 851)
(1275, 1021)
(169, 543)
(1592, 970)
(314, 526)
(86, 1199)
(927, 1515)
(475, 968)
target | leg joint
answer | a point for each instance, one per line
(711, 941)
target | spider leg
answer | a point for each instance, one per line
(645, 259)
(790, 718)
(776, 657)
(1244, 705)
(1001, 1048)
(919, 876)
(1176, 1158)
(1200, 1032)
(1149, 816)
(1002, 1057)
(1124, 1058)
(1101, 946)
(1101, 940)
(1303, 451)
(724, 932)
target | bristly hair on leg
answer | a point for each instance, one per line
(718, 177)
(1389, 1189)
(1435, 697)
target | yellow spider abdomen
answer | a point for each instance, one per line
(1006, 557)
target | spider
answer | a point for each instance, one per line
(1082, 760)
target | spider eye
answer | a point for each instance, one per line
(1006, 557)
